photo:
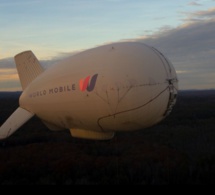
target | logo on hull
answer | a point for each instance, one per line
(87, 83)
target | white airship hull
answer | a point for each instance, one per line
(130, 90)
(116, 87)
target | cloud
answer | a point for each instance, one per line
(191, 48)
(9, 80)
(194, 3)
(210, 13)
(199, 15)
(7, 63)
(55, 59)
(8, 74)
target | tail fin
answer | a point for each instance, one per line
(28, 67)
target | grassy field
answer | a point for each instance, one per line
(179, 150)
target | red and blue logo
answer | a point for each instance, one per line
(88, 83)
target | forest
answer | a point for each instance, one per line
(178, 150)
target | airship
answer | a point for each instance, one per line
(124, 86)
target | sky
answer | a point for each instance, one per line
(184, 31)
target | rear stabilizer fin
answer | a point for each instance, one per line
(14, 122)
(28, 67)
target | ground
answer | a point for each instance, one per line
(179, 150)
